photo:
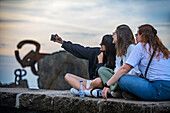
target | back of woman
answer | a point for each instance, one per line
(159, 67)
(125, 43)
(148, 43)
(158, 86)
(157, 83)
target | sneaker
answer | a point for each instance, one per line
(97, 92)
(74, 91)
(88, 92)
(129, 96)
(116, 94)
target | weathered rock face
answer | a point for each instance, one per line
(23, 100)
(53, 68)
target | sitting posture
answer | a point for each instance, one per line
(96, 56)
(156, 82)
(125, 42)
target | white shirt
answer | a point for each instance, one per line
(118, 60)
(159, 69)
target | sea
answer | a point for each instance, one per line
(8, 65)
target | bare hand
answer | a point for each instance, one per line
(104, 92)
(58, 39)
(100, 57)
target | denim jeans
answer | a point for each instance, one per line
(147, 90)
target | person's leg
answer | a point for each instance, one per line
(156, 90)
(96, 83)
(105, 74)
(74, 80)
(162, 89)
(96, 87)
(136, 85)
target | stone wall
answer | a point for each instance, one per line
(23, 100)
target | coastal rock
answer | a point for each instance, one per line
(21, 84)
(23, 100)
(74, 104)
(52, 69)
(32, 102)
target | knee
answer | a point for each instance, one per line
(123, 81)
(98, 80)
(67, 76)
(100, 70)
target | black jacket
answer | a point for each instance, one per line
(87, 53)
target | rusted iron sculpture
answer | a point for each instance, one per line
(31, 57)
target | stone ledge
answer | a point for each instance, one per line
(57, 101)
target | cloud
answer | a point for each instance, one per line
(81, 34)
(78, 20)
(11, 21)
(167, 25)
(2, 45)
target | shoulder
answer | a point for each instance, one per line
(95, 48)
(94, 51)
(131, 46)
(139, 46)
(136, 48)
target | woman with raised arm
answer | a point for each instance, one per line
(96, 59)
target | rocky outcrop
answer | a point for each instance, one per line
(23, 100)
(21, 84)
(52, 69)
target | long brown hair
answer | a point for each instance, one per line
(124, 39)
(149, 35)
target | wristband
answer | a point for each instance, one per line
(105, 85)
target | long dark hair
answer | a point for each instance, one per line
(124, 39)
(110, 51)
(149, 35)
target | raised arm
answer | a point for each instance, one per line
(77, 49)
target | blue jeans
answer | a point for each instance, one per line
(147, 90)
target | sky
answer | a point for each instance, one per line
(79, 21)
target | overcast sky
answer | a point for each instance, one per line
(81, 21)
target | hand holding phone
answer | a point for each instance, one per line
(53, 37)
(56, 38)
